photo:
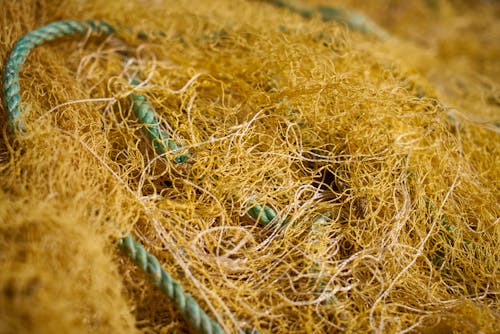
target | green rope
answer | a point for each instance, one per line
(352, 19)
(265, 215)
(188, 307)
(20, 51)
(147, 116)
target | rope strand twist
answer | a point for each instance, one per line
(20, 51)
(187, 306)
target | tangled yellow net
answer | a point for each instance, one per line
(380, 157)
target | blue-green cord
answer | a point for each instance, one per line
(20, 51)
(353, 20)
(147, 116)
(264, 214)
(188, 307)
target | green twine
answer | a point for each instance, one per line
(147, 116)
(352, 19)
(265, 215)
(188, 307)
(262, 213)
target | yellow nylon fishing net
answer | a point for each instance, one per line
(378, 152)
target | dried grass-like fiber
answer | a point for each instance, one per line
(313, 120)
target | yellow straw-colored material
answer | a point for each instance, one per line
(380, 158)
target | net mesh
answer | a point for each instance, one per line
(379, 157)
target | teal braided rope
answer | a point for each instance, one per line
(20, 51)
(189, 308)
(352, 19)
(147, 116)
(264, 215)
